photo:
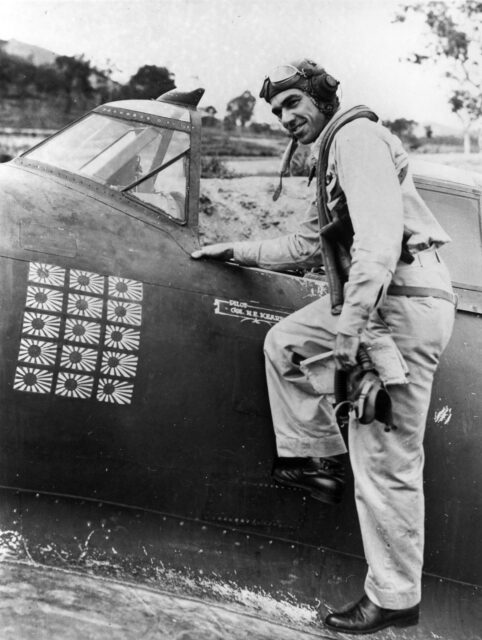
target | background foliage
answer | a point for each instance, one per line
(452, 45)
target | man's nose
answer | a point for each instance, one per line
(287, 117)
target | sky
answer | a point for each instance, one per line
(228, 46)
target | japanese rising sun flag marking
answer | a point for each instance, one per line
(34, 380)
(36, 351)
(79, 330)
(122, 337)
(125, 312)
(80, 335)
(46, 274)
(119, 364)
(44, 299)
(115, 391)
(78, 358)
(87, 281)
(74, 385)
(82, 305)
(41, 325)
(122, 288)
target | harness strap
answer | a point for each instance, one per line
(336, 257)
(410, 291)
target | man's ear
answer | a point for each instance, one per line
(326, 108)
(324, 85)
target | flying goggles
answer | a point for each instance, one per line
(281, 77)
(287, 76)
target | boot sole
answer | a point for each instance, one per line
(321, 496)
(406, 622)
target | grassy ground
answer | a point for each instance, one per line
(270, 166)
(217, 142)
(469, 162)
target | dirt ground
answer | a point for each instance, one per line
(243, 208)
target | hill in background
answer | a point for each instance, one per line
(36, 55)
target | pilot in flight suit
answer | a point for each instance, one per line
(411, 300)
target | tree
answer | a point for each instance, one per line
(453, 43)
(208, 117)
(17, 77)
(149, 82)
(47, 81)
(229, 123)
(404, 129)
(75, 73)
(241, 109)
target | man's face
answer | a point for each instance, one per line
(298, 114)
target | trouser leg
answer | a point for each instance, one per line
(303, 420)
(388, 467)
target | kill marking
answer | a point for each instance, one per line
(80, 334)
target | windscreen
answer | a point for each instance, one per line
(147, 162)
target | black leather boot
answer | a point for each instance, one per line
(366, 617)
(324, 478)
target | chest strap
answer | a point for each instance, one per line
(423, 292)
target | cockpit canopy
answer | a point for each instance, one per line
(138, 148)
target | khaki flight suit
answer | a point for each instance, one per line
(364, 162)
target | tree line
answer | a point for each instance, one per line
(74, 83)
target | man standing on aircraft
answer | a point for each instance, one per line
(385, 278)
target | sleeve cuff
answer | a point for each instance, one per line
(246, 252)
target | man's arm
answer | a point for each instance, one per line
(368, 177)
(292, 251)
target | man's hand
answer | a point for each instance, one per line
(346, 348)
(220, 251)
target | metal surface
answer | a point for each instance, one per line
(137, 116)
(260, 576)
(155, 412)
